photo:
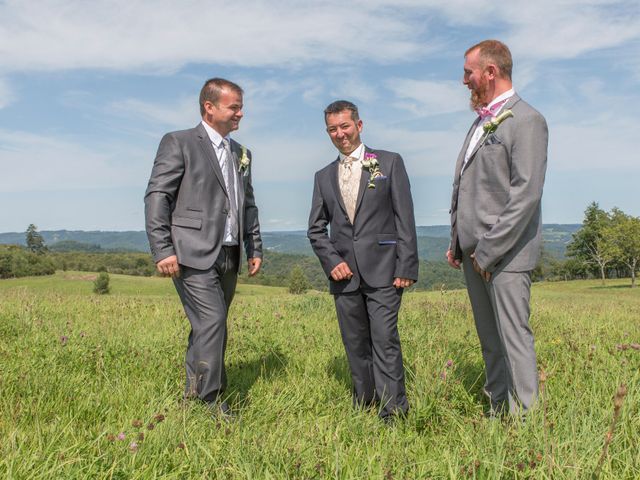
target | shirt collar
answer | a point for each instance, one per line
(505, 96)
(214, 136)
(357, 153)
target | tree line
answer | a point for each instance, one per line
(606, 246)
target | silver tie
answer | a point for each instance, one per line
(229, 183)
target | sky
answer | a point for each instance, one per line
(87, 89)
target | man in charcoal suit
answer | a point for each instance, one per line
(369, 253)
(496, 223)
(200, 212)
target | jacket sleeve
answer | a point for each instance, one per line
(162, 190)
(407, 244)
(528, 167)
(318, 233)
(251, 234)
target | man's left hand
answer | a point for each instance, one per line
(483, 273)
(402, 282)
(254, 265)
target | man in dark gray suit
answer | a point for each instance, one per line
(200, 211)
(496, 223)
(369, 252)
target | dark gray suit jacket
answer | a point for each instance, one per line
(381, 244)
(186, 202)
(495, 206)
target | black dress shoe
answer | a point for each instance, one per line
(222, 410)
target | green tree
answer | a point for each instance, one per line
(298, 281)
(34, 240)
(589, 244)
(623, 236)
(101, 284)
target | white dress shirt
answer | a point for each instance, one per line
(231, 224)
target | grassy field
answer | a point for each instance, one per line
(90, 387)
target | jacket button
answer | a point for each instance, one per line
(355, 238)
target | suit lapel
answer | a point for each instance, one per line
(509, 103)
(463, 152)
(210, 153)
(334, 171)
(364, 180)
(236, 151)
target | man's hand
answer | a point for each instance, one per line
(253, 265)
(402, 282)
(483, 273)
(168, 267)
(452, 261)
(341, 272)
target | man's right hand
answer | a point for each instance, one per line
(452, 261)
(341, 272)
(168, 267)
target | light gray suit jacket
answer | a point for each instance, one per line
(496, 201)
(186, 202)
(381, 243)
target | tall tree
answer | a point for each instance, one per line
(34, 240)
(623, 236)
(589, 244)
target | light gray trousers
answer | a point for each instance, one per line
(501, 313)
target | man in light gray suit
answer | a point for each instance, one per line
(200, 211)
(369, 253)
(496, 223)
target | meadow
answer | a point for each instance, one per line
(91, 387)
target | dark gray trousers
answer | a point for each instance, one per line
(368, 320)
(501, 313)
(206, 296)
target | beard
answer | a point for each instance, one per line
(478, 96)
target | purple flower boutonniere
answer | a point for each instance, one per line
(370, 162)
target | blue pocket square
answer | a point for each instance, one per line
(387, 242)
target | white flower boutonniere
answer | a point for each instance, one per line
(492, 125)
(244, 161)
(370, 162)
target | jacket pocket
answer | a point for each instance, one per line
(187, 222)
(386, 239)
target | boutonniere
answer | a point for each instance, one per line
(244, 161)
(370, 162)
(492, 125)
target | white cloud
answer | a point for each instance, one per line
(36, 162)
(165, 35)
(178, 115)
(6, 94)
(429, 97)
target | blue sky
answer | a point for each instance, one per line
(87, 89)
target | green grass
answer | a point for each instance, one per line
(77, 369)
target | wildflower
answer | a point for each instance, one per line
(133, 446)
(136, 423)
(181, 446)
(111, 437)
(159, 417)
(449, 363)
(151, 426)
(64, 339)
(141, 437)
(121, 436)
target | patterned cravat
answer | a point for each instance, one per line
(350, 184)
(229, 183)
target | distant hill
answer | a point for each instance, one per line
(432, 240)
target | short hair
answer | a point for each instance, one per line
(213, 87)
(340, 106)
(496, 52)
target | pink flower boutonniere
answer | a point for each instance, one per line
(370, 162)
